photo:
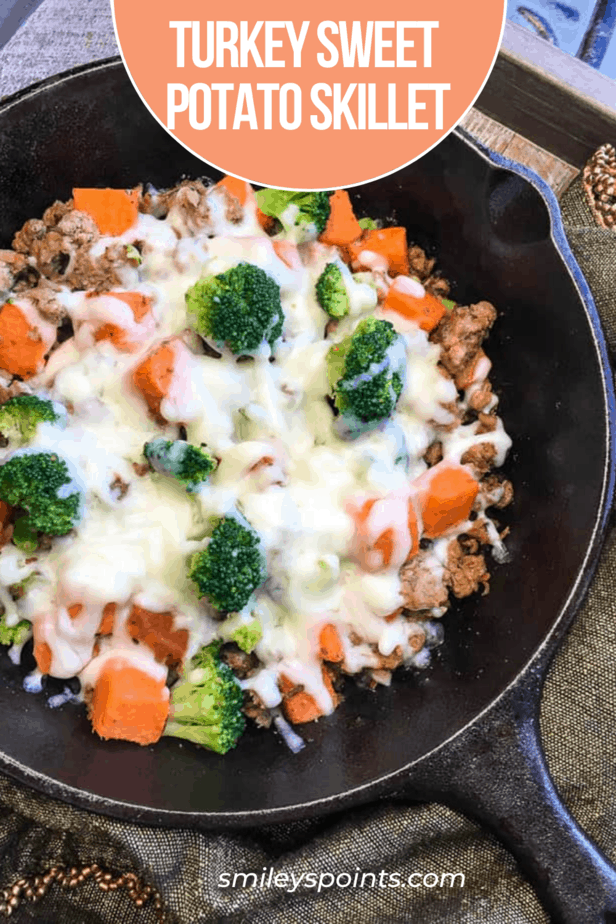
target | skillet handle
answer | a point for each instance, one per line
(496, 773)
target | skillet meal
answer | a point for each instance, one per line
(247, 452)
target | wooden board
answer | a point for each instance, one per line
(505, 141)
(544, 95)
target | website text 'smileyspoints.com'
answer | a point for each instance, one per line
(269, 878)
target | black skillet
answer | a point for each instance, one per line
(465, 731)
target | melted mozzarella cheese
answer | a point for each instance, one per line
(282, 464)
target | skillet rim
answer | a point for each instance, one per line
(538, 662)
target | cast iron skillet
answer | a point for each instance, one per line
(464, 732)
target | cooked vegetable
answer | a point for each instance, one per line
(307, 210)
(188, 464)
(342, 227)
(447, 492)
(42, 654)
(158, 630)
(123, 340)
(154, 374)
(389, 243)
(206, 705)
(107, 622)
(405, 298)
(40, 484)
(24, 537)
(301, 706)
(231, 567)
(239, 308)
(14, 635)
(248, 635)
(236, 187)
(128, 703)
(368, 224)
(366, 372)
(22, 347)
(330, 645)
(387, 532)
(133, 254)
(21, 415)
(331, 291)
(288, 253)
(113, 210)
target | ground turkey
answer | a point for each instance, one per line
(461, 333)
(421, 587)
(465, 573)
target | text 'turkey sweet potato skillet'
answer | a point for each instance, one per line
(464, 732)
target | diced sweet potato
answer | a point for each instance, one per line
(153, 375)
(139, 304)
(342, 226)
(42, 655)
(5, 514)
(288, 253)
(74, 610)
(267, 222)
(239, 188)
(425, 310)
(330, 645)
(384, 537)
(128, 703)
(113, 210)
(22, 346)
(446, 492)
(158, 632)
(108, 620)
(389, 243)
(302, 707)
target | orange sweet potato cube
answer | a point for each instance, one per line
(128, 703)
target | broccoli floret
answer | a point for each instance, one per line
(366, 372)
(24, 537)
(240, 308)
(21, 415)
(368, 224)
(206, 705)
(41, 485)
(188, 464)
(309, 210)
(21, 588)
(331, 291)
(14, 635)
(231, 567)
(248, 635)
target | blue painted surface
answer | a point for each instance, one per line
(585, 28)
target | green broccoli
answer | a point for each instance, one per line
(40, 484)
(188, 464)
(247, 635)
(368, 224)
(307, 210)
(14, 635)
(366, 372)
(21, 415)
(240, 308)
(331, 292)
(231, 567)
(24, 537)
(21, 588)
(206, 705)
